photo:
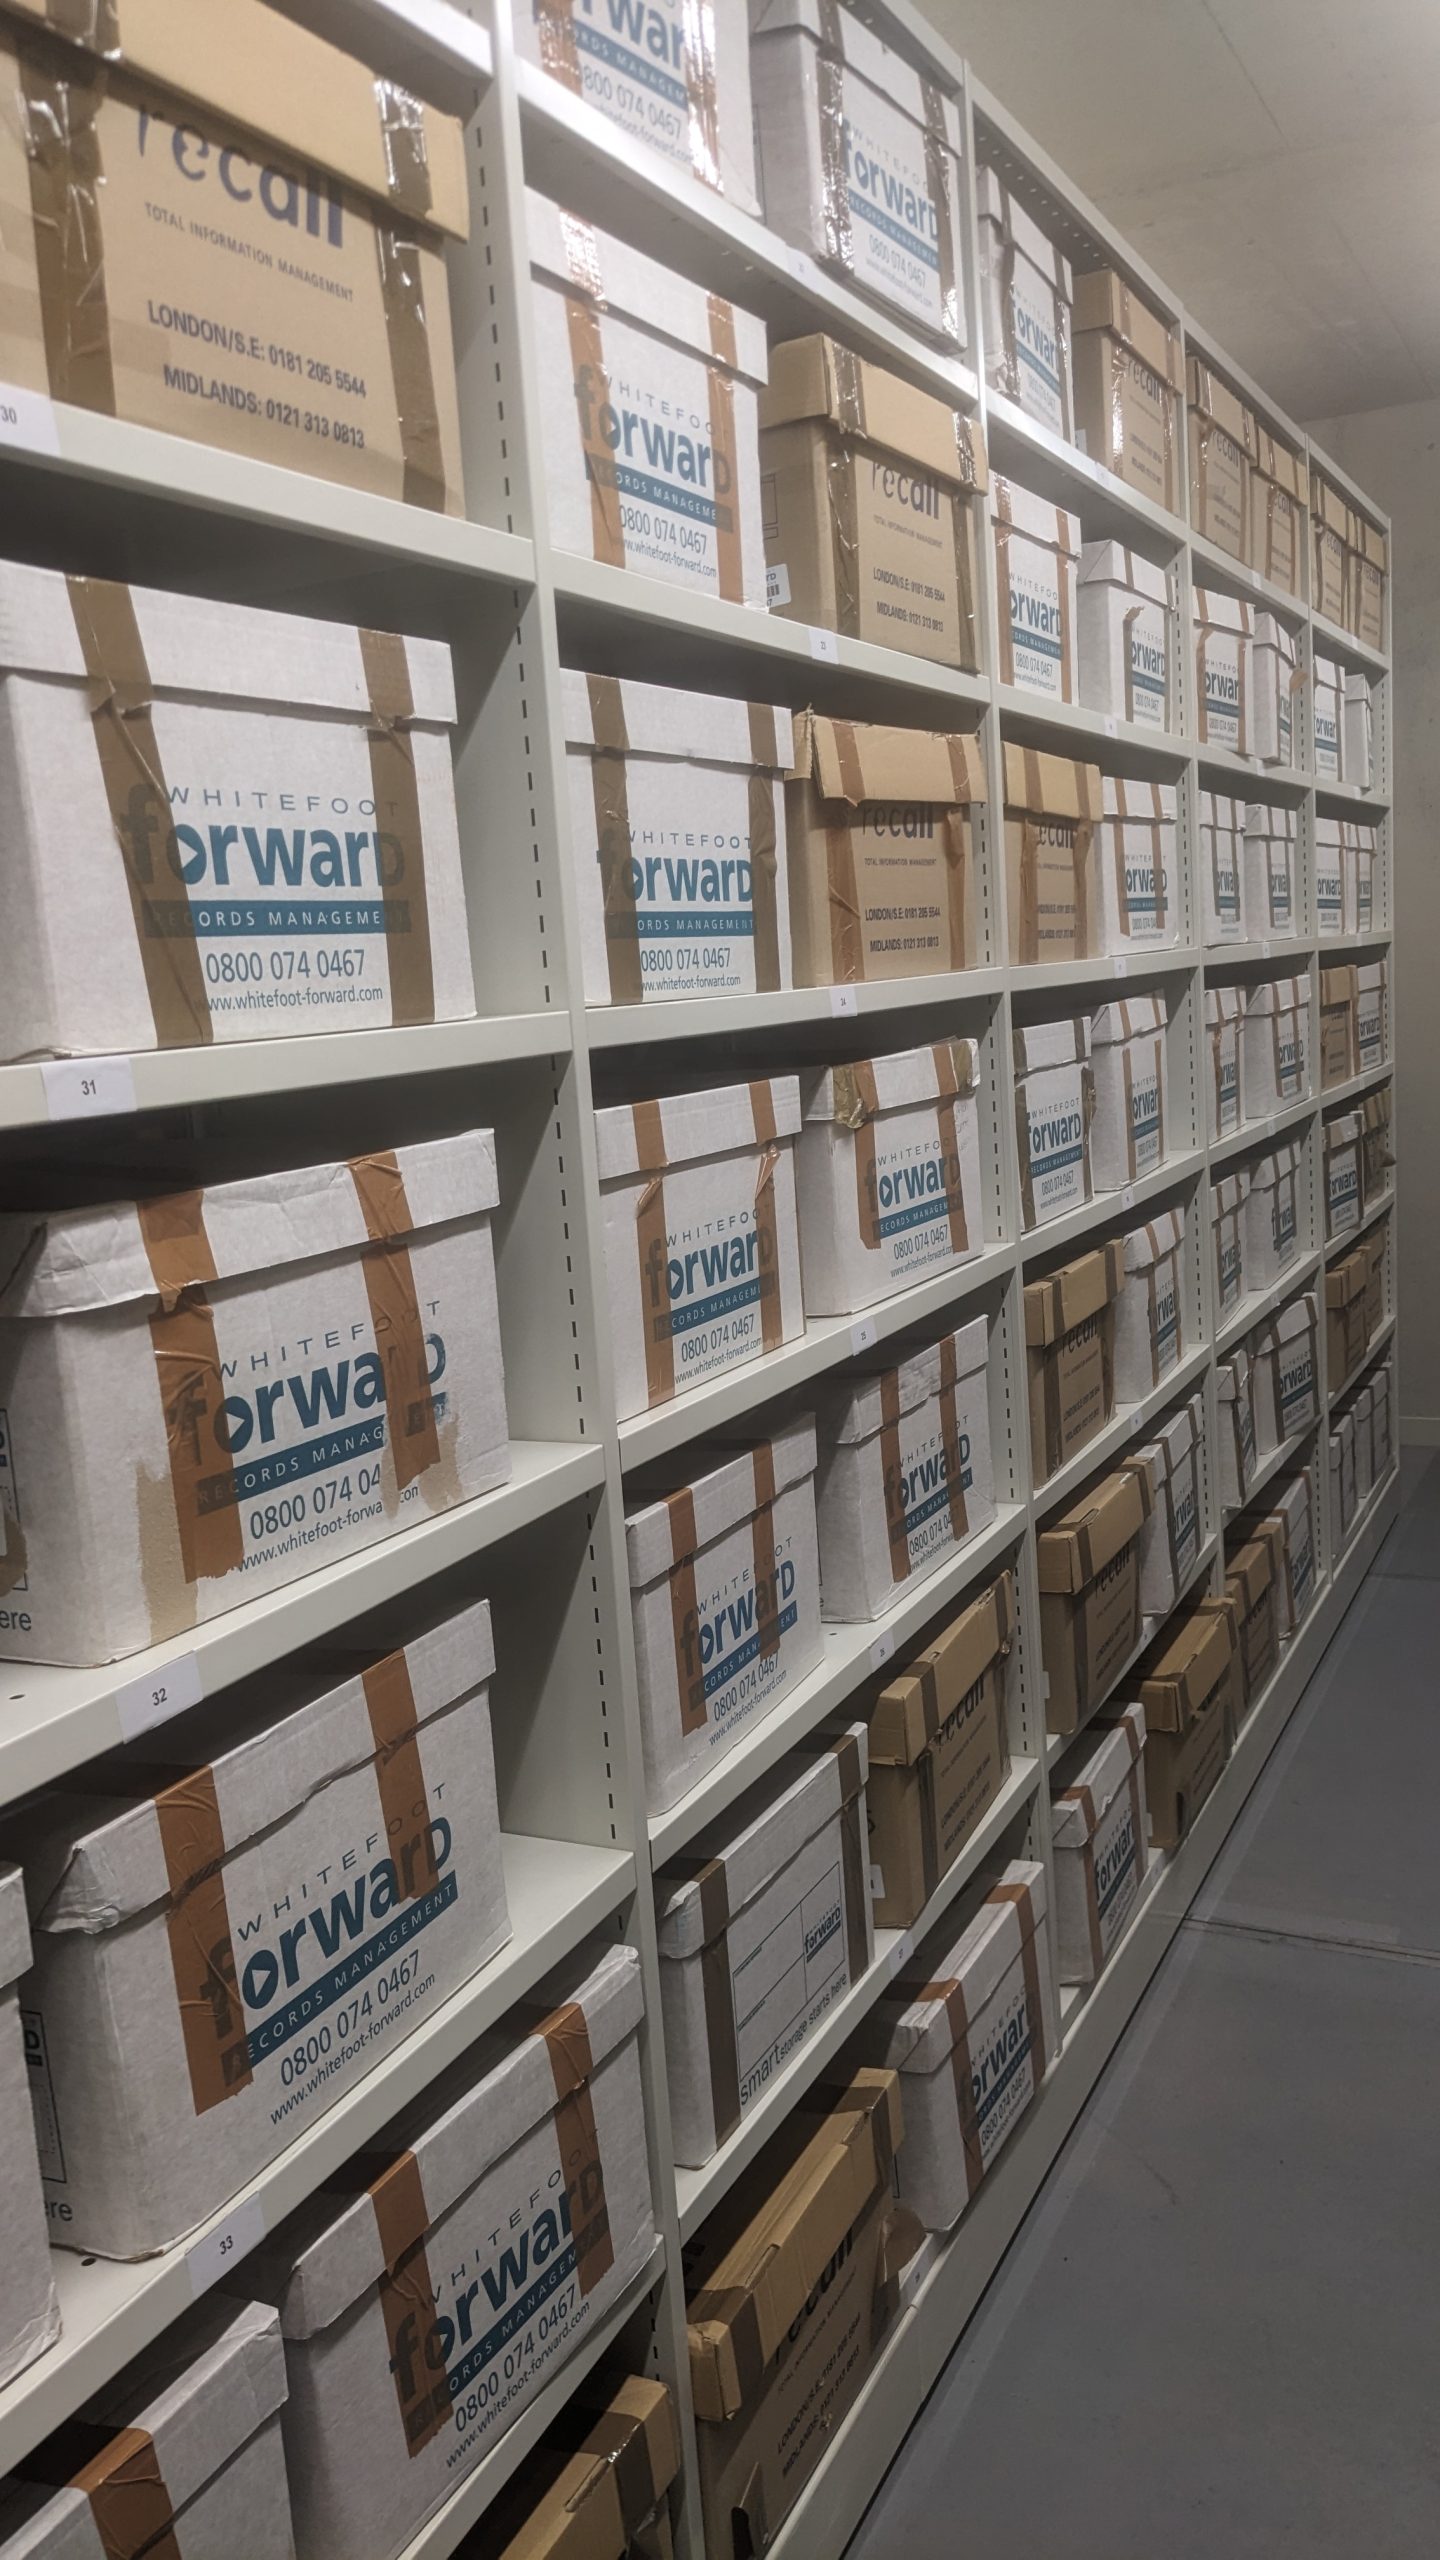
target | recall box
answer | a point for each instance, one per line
(1099, 1838)
(1277, 511)
(1127, 1046)
(1343, 1148)
(906, 1474)
(1051, 812)
(1088, 1560)
(1331, 837)
(1124, 631)
(1189, 1685)
(1329, 532)
(32, 2306)
(1339, 1026)
(1290, 1524)
(595, 2486)
(1070, 1355)
(939, 1754)
(1037, 552)
(1358, 718)
(1250, 1589)
(1275, 679)
(1129, 374)
(669, 78)
(880, 831)
(1027, 291)
(1054, 1107)
(1221, 438)
(888, 1174)
(1327, 702)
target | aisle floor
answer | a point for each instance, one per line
(1217, 2330)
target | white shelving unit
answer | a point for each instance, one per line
(581, 1846)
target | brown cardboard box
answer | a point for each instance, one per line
(1346, 1333)
(792, 2286)
(594, 2488)
(1367, 563)
(1250, 1587)
(1373, 1249)
(939, 1754)
(1189, 1687)
(1221, 438)
(1089, 1568)
(867, 488)
(1052, 808)
(1070, 1354)
(880, 850)
(1376, 1153)
(262, 267)
(1339, 1004)
(1128, 379)
(1277, 512)
(1329, 528)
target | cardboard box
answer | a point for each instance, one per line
(1275, 680)
(1343, 1147)
(1051, 811)
(678, 840)
(1250, 1589)
(970, 2026)
(186, 2440)
(32, 2306)
(939, 1754)
(1089, 1568)
(762, 1928)
(1358, 730)
(881, 832)
(138, 901)
(251, 170)
(1372, 1014)
(1037, 551)
(884, 213)
(1098, 1834)
(1346, 1330)
(358, 1793)
(1285, 1373)
(1222, 868)
(646, 389)
(905, 1468)
(135, 1337)
(1272, 1216)
(1149, 1323)
(1359, 852)
(1224, 678)
(669, 79)
(1127, 1045)
(501, 2214)
(1360, 1410)
(1342, 1479)
(1330, 837)
(1137, 867)
(1070, 1355)
(1290, 1524)
(1339, 1026)
(1027, 289)
(1277, 511)
(724, 1594)
(1376, 1250)
(1329, 527)
(702, 1237)
(1129, 374)
(1170, 1540)
(889, 1174)
(1189, 1687)
(866, 491)
(1236, 1394)
(1275, 1045)
(594, 2488)
(1123, 604)
(793, 2285)
(1223, 1015)
(1377, 1159)
(1328, 716)
(1382, 1389)
(1271, 881)
(1229, 1193)
(1054, 1106)
(1367, 569)
(1221, 436)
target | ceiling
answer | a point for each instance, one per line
(1277, 161)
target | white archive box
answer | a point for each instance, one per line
(1271, 874)
(1223, 630)
(1330, 847)
(888, 1174)
(1127, 1046)
(1372, 1015)
(27, 2283)
(1136, 866)
(1285, 1374)
(1344, 1139)
(677, 832)
(859, 159)
(1290, 1509)
(1361, 1411)
(702, 1240)
(1357, 713)
(1037, 549)
(1328, 717)
(1054, 1107)
(1359, 853)
(647, 400)
(1027, 301)
(724, 1594)
(1170, 1539)
(1235, 1391)
(970, 2026)
(1100, 1842)
(1222, 869)
(1223, 1016)
(473, 2247)
(237, 1916)
(1229, 1193)
(1272, 1216)
(1123, 604)
(1149, 1313)
(209, 1392)
(1275, 1045)
(268, 847)
(670, 76)
(1342, 1478)
(1275, 680)
(906, 1473)
(1382, 1390)
(762, 1929)
(182, 2453)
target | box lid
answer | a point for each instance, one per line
(1289, 1504)
(839, 32)
(913, 1705)
(1113, 564)
(684, 1128)
(1267, 818)
(1346, 1280)
(1214, 399)
(1222, 1005)
(1370, 542)
(329, 2251)
(1272, 633)
(683, 1502)
(1276, 462)
(866, 1088)
(260, 70)
(1050, 786)
(1357, 687)
(1329, 674)
(1282, 1164)
(1230, 1191)
(1375, 1110)
(858, 761)
(1345, 1130)
(858, 1400)
(1220, 811)
(617, 716)
(1328, 504)
(1020, 230)
(1249, 1572)
(1166, 1449)
(1105, 300)
(1329, 832)
(1337, 987)
(764, 2252)
(1149, 1243)
(70, 1261)
(1141, 804)
(1232, 1376)
(815, 377)
(1177, 1674)
(744, 1849)
(1060, 1300)
(594, 266)
(1092, 1531)
(1078, 1810)
(1036, 517)
(1217, 612)
(1371, 975)
(1042, 1045)
(1127, 1018)
(14, 1927)
(596, 2477)
(1279, 995)
(935, 2002)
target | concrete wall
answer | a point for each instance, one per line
(1394, 454)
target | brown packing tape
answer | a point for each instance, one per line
(718, 1997)
(956, 825)
(830, 96)
(407, 327)
(847, 949)
(406, 2291)
(622, 2444)
(567, 2040)
(610, 791)
(652, 1247)
(937, 183)
(1004, 591)
(118, 2470)
(767, 1225)
(701, 98)
(729, 560)
(892, 1476)
(559, 54)
(202, 1948)
(192, 1386)
(950, 1440)
(840, 468)
(93, 23)
(952, 1993)
(685, 1613)
(402, 138)
(61, 101)
(399, 832)
(764, 856)
(1064, 557)
(587, 355)
(856, 1882)
(1019, 1894)
(400, 1775)
(763, 1566)
(412, 1430)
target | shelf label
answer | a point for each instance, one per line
(881, 1650)
(27, 419)
(142, 1704)
(777, 585)
(844, 1000)
(223, 2248)
(825, 645)
(1112, 725)
(862, 1334)
(901, 1953)
(88, 1088)
(1127, 1196)
(877, 1884)
(1122, 966)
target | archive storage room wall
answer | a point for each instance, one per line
(94, 496)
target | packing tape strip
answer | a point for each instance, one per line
(566, 2035)
(402, 257)
(202, 1948)
(400, 1775)
(653, 1252)
(118, 2471)
(892, 1477)
(412, 1420)
(402, 140)
(764, 854)
(399, 829)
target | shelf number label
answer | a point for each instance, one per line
(862, 1334)
(142, 1704)
(881, 1650)
(824, 645)
(214, 2255)
(88, 1088)
(844, 1000)
(27, 419)
(1112, 725)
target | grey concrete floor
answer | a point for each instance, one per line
(1217, 2334)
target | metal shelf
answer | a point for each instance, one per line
(1366, 1083)
(1108, 508)
(1071, 728)
(1210, 564)
(1242, 778)
(1274, 1465)
(1114, 975)
(1352, 795)
(732, 1017)
(1127, 1424)
(1108, 1206)
(1276, 950)
(1262, 1133)
(1333, 642)
(1254, 1311)
(1337, 1247)
(1057, 1745)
